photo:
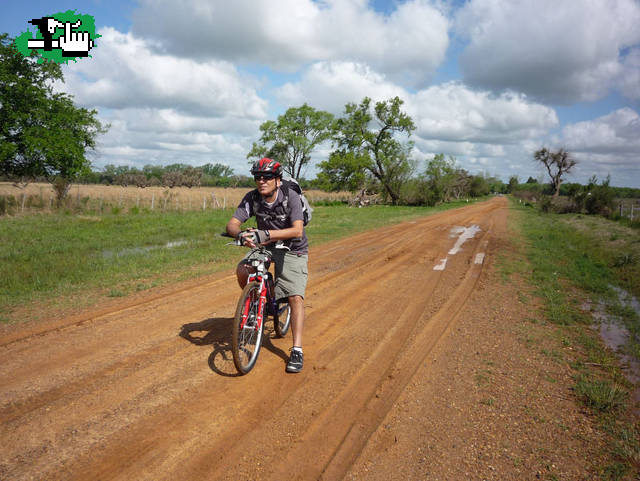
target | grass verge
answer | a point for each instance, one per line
(571, 261)
(61, 260)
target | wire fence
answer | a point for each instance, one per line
(629, 209)
(102, 199)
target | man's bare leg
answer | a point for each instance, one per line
(296, 304)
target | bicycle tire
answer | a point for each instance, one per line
(246, 340)
(282, 318)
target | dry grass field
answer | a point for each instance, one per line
(102, 198)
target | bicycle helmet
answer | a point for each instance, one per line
(267, 166)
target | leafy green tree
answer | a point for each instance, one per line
(557, 164)
(343, 171)
(42, 133)
(479, 186)
(153, 171)
(513, 183)
(292, 139)
(176, 167)
(370, 135)
(217, 170)
(442, 178)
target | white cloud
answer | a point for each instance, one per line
(556, 51)
(126, 72)
(629, 82)
(285, 35)
(141, 136)
(330, 85)
(617, 132)
(164, 109)
(449, 112)
(457, 113)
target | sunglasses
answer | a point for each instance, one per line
(263, 177)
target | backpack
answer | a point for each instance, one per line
(292, 184)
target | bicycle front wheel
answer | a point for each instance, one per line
(247, 332)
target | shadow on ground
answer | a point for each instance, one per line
(216, 332)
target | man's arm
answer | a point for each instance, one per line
(234, 227)
(296, 230)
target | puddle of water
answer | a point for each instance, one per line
(141, 250)
(615, 336)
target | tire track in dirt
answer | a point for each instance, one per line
(136, 401)
(44, 328)
(367, 419)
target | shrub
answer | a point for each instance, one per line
(594, 199)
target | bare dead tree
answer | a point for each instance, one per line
(557, 163)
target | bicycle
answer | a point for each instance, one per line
(255, 303)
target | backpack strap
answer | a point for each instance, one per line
(255, 201)
(257, 198)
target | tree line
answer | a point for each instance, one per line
(173, 175)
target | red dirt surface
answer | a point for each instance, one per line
(410, 373)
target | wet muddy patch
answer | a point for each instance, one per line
(110, 253)
(617, 336)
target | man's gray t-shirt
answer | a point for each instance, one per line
(275, 216)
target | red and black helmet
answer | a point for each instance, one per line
(267, 166)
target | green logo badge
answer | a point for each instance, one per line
(60, 37)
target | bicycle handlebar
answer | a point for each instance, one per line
(279, 244)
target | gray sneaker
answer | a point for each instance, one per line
(295, 361)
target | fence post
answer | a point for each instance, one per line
(24, 196)
(153, 199)
(204, 203)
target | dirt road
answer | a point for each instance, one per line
(147, 389)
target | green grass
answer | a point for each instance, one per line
(572, 258)
(601, 395)
(575, 252)
(54, 257)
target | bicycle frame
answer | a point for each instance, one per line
(262, 277)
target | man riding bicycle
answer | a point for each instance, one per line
(280, 218)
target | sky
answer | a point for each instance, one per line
(488, 82)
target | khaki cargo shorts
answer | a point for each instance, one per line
(291, 272)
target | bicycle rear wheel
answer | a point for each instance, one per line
(247, 334)
(282, 318)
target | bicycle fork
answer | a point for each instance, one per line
(253, 309)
